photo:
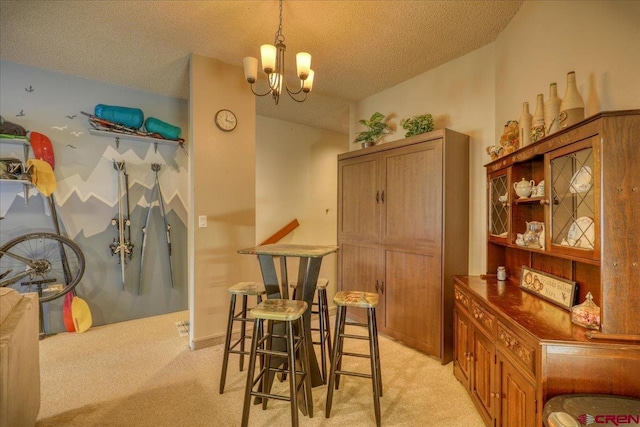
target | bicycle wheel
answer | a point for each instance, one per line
(46, 263)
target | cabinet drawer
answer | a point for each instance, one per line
(515, 346)
(483, 318)
(462, 300)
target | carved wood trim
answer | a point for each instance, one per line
(482, 317)
(508, 341)
(461, 298)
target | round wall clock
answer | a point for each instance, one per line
(226, 120)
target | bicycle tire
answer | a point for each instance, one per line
(52, 279)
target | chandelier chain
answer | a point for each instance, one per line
(279, 36)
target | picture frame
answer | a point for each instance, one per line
(557, 290)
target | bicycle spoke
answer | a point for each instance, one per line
(41, 262)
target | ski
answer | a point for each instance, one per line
(156, 192)
(122, 244)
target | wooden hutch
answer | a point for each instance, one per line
(514, 350)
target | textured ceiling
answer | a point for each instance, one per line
(358, 48)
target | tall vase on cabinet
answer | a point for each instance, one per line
(552, 110)
(537, 122)
(572, 106)
(524, 125)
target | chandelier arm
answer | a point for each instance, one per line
(258, 94)
(292, 96)
(291, 92)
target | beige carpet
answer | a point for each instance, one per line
(142, 373)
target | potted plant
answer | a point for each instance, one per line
(376, 130)
(417, 125)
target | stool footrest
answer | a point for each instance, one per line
(238, 318)
(355, 337)
(348, 323)
(365, 356)
(270, 396)
(353, 374)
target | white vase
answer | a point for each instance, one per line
(552, 110)
(524, 125)
(537, 122)
(572, 106)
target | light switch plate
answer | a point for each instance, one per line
(202, 221)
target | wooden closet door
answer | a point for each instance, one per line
(359, 199)
(412, 190)
(360, 271)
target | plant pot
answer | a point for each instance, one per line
(366, 144)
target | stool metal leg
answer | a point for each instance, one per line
(243, 329)
(304, 358)
(252, 364)
(227, 344)
(323, 331)
(334, 359)
(373, 351)
(291, 353)
(327, 325)
(375, 323)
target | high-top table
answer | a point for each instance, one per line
(310, 259)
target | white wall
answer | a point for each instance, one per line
(297, 178)
(476, 94)
(599, 40)
(460, 96)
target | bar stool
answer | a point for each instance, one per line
(245, 289)
(287, 312)
(364, 300)
(324, 327)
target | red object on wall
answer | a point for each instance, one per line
(42, 148)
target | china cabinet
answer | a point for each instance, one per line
(403, 232)
(513, 349)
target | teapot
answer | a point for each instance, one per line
(524, 188)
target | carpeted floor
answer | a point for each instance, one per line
(142, 373)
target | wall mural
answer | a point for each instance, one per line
(87, 193)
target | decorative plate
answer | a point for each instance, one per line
(581, 233)
(581, 180)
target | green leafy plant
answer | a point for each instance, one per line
(376, 129)
(417, 124)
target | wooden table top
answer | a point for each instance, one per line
(288, 249)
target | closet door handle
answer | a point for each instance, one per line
(382, 196)
(377, 197)
(382, 286)
(376, 286)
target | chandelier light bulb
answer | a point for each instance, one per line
(307, 84)
(268, 54)
(250, 68)
(275, 82)
(303, 63)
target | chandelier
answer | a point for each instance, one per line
(273, 65)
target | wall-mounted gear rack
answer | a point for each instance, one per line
(139, 138)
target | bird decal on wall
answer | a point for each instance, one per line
(71, 117)
(59, 127)
(21, 113)
(29, 89)
(72, 146)
(76, 134)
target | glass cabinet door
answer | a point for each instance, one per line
(573, 210)
(499, 206)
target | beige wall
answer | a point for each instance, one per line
(478, 93)
(296, 178)
(222, 189)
